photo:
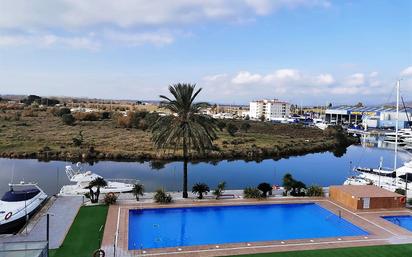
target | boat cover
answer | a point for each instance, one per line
(20, 195)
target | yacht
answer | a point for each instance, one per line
(384, 177)
(82, 180)
(18, 204)
(390, 179)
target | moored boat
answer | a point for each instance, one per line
(18, 204)
(83, 179)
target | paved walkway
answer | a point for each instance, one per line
(63, 211)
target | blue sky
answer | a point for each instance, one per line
(303, 51)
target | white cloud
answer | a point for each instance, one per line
(407, 72)
(373, 74)
(126, 13)
(356, 79)
(283, 74)
(215, 77)
(49, 40)
(296, 85)
(136, 39)
(136, 22)
(324, 79)
(245, 77)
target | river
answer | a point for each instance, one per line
(319, 168)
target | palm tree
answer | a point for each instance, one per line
(200, 189)
(98, 182)
(219, 190)
(137, 191)
(186, 129)
(265, 188)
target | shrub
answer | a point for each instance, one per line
(219, 190)
(139, 120)
(68, 119)
(110, 198)
(161, 197)
(265, 188)
(245, 126)
(410, 201)
(314, 190)
(78, 140)
(138, 190)
(61, 111)
(87, 116)
(29, 113)
(200, 189)
(400, 191)
(252, 192)
(221, 125)
(105, 115)
(295, 186)
(231, 129)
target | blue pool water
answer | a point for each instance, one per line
(404, 221)
(172, 227)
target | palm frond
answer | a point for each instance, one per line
(187, 126)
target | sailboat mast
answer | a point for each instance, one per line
(396, 126)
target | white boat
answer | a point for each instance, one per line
(390, 179)
(385, 178)
(82, 180)
(18, 204)
(321, 125)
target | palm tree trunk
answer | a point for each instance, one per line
(185, 161)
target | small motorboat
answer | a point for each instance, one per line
(18, 204)
(83, 179)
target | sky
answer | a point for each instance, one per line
(308, 52)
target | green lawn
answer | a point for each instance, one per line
(367, 251)
(84, 234)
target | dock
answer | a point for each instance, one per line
(62, 210)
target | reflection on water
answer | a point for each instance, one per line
(320, 168)
(376, 141)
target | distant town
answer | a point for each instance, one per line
(269, 110)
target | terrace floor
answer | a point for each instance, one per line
(115, 238)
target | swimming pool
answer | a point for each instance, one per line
(404, 221)
(174, 227)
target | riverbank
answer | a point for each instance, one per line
(42, 135)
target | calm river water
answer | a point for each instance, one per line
(320, 168)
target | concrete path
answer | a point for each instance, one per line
(63, 212)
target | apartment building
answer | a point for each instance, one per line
(270, 109)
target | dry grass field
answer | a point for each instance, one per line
(40, 134)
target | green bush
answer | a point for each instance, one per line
(161, 197)
(400, 191)
(252, 192)
(105, 115)
(78, 140)
(221, 125)
(62, 111)
(245, 126)
(220, 189)
(314, 190)
(232, 129)
(265, 188)
(68, 119)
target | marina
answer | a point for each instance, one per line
(323, 169)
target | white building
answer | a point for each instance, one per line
(270, 109)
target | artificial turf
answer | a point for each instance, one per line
(402, 250)
(85, 233)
